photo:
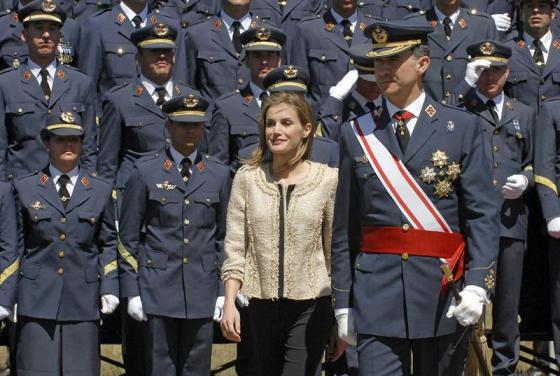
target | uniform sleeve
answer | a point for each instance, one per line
(221, 220)
(330, 114)
(9, 247)
(91, 52)
(528, 150)
(235, 244)
(107, 243)
(3, 139)
(110, 132)
(180, 73)
(218, 140)
(130, 228)
(191, 54)
(88, 159)
(545, 163)
(298, 54)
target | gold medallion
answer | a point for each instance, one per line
(428, 175)
(443, 188)
(453, 171)
(439, 158)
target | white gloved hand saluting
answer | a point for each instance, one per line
(4, 312)
(502, 21)
(470, 309)
(219, 309)
(553, 227)
(474, 70)
(135, 309)
(344, 86)
(345, 321)
(515, 186)
(109, 303)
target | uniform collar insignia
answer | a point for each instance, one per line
(200, 166)
(165, 185)
(37, 205)
(15, 18)
(247, 99)
(167, 164)
(217, 24)
(521, 44)
(329, 26)
(44, 179)
(378, 111)
(362, 26)
(60, 74)
(153, 19)
(26, 75)
(120, 18)
(430, 111)
(556, 44)
(177, 89)
(462, 23)
(253, 24)
(509, 105)
(139, 89)
(433, 23)
(85, 181)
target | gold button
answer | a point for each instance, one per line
(186, 221)
(163, 199)
(449, 58)
(167, 140)
(60, 271)
(323, 58)
(240, 81)
(406, 227)
(542, 98)
(495, 148)
(404, 256)
(448, 76)
(49, 111)
(185, 260)
(62, 236)
(63, 220)
(495, 164)
(186, 241)
(61, 254)
(187, 201)
(496, 131)
(35, 218)
(120, 51)
(495, 182)
(149, 261)
(19, 110)
(92, 220)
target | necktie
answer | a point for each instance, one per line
(137, 21)
(403, 135)
(45, 83)
(538, 56)
(235, 38)
(160, 95)
(186, 169)
(63, 191)
(447, 27)
(347, 31)
(371, 107)
(492, 108)
(263, 96)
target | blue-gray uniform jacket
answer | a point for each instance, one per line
(23, 110)
(547, 163)
(396, 296)
(484, 6)
(174, 265)
(68, 255)
(132, 126)
(525, 82)
(83, 10)
(107, 54)
(322, 50)
(213, 65)
(389, 9)
(509, 145)
(187, 14)
(13, 51)
(446, 74)
(9, 238)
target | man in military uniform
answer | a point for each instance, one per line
(37, 88)
(187, 12)
(235, 117)
(432, 160)
(66, 267)
(356, 94)
(454, 28)
(507, 128)
(535, 62)
(170, 273)
(107, 53)
(13, 51)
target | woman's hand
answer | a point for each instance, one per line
(231, 322)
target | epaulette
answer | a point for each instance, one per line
(94, 175)
(8, 69)
(146, 158)
(118, 87)
(100, 12)
(211, 158)
(475, 12)
(198, 22)
(5, 12)
(551, 99)
(227, 95)
(26, 175)
(313, 17)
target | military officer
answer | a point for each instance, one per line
(187, 12)
(9, 237)
(440, 186)
(535, 62)
(322, 46)
(454, 28)
(13, 51)
(215, 56)
(108, 54)
(66, 267)
(40, 87)
(235, 116)
(356, 94)
(507, 128)
(170, 273)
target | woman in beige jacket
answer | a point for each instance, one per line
(277, 245)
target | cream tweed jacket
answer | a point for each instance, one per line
(252, 236)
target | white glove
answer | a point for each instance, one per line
(345, 321)
(219, 309)
(135, 309)
(13, 315)
(242, 300)
(515, 186)
(4, 312)
(109, 303)
(344, 86)
(468, 312)
(474, 70)
(502, 21)
(553, 227)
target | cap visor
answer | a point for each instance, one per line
(390, 51)
(367, 76)
(160, 45)
(188, 118)
(66, 132)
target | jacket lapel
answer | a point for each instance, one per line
(143, 99)
(333, 33)
(251, 107)
(82, 192)
(60, 85)
(47, 191)
(170, 171)
(220, 35)
(460, 30)
(438, 36)
(125, 25)
(425, 127)
(31, 85)
(553, 57)
(385, 133)
(508, 112)
(198, 177)
(358, 36)
(289, 7)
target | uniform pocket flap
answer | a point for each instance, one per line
(19, 108)
(164, 196)
(87, 216)
(154, 259)
(209, 263)
(211, 56)
(366, 262)
(515, 77)
(244, 130)
(322, 55)
(556, 77)
(40, 215)
(137, 121)
(120, 48)
(30, 271)
(92, 275)
(72, 107)
(207, 199)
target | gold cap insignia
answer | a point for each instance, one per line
(161, 30)
(190, 101)
(48, 6)
(67, 117)
(487, 48)
(291, 72)
(380, 35)
(263, 33)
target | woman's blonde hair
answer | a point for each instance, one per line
(295, 100)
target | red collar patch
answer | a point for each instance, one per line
(167, 164)
(139, 90)
(85, 181)
(26, 75)
(200, 166)
(120, 18)
(60, 74)
(44, 179)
